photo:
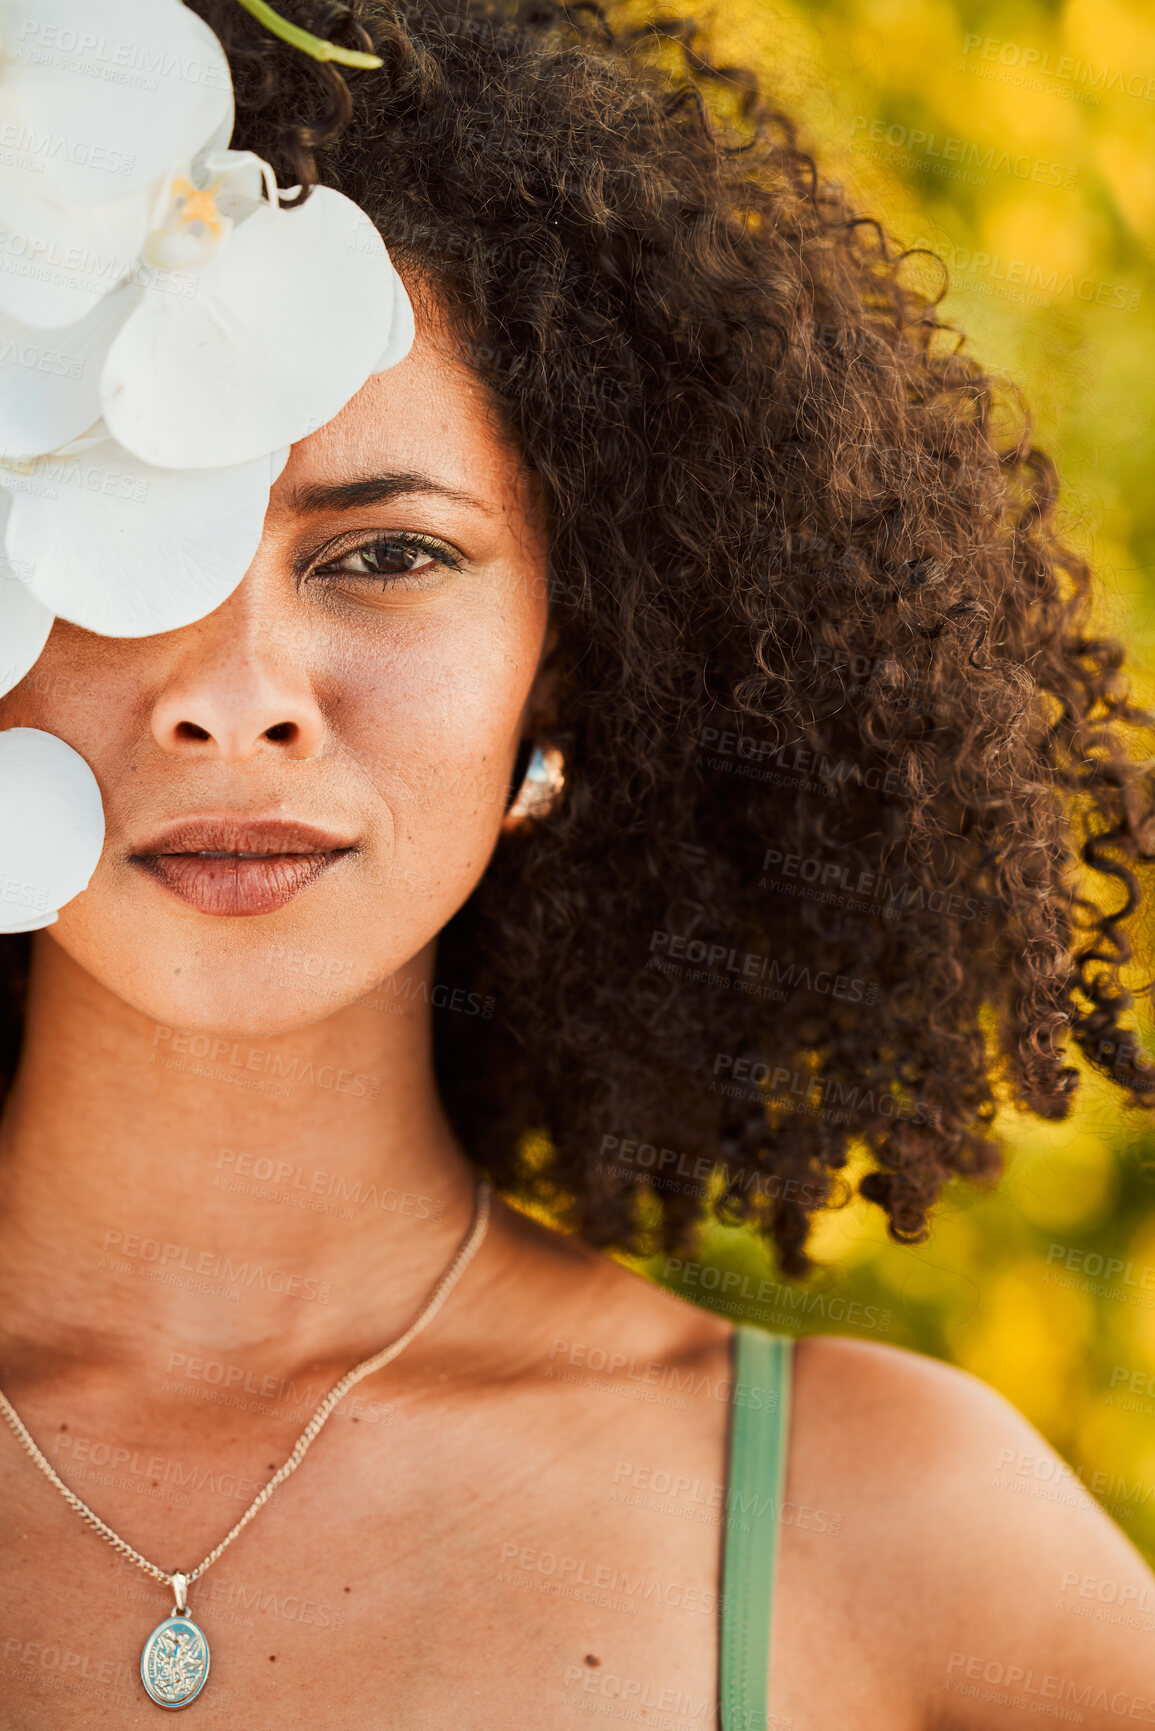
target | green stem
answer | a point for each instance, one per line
(315, 46)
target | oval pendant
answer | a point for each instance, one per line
(174, 1664)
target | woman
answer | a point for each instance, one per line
(682, 484)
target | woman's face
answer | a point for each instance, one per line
(353, 710)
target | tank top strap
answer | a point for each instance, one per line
(759, 1443)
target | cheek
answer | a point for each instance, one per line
(434, 728)
(83, 690)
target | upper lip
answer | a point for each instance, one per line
(241, 835)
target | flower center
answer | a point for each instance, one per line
(193, 229)
(196, 204)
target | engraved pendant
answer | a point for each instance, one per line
(174, 1664)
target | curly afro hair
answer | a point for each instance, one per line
(855, 797)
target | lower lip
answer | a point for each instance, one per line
(232, 884)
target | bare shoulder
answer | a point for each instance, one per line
(914, 1407)
(983, 1565)
(591, 1305)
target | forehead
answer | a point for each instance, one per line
(431, 415)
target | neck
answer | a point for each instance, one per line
(172, 1197)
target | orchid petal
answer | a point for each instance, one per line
(284, 329)
(128, 550)
(38, 925)
(50, 384)
(97, 434)
(245, 175)
(58, 260)
(51, 830)
(112, 91)
(24, 628)
(401, 331)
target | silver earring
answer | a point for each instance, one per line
(540, 790)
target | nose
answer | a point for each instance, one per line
(230, 694)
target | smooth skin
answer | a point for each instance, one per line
(187, 1262)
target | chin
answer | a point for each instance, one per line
(240, 1006)
(262, 976)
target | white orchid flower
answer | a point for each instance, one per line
(97, 98)
(125, 549)
(51, 827)
(289, 313)
(243, 328)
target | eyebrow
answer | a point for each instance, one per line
(375, 490)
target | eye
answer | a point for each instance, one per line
(391, 558)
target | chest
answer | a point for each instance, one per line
(515, 1566)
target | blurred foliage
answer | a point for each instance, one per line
(1017, 139)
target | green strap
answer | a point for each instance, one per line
(759, 1440)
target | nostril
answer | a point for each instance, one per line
(284, 732)
(190, 730)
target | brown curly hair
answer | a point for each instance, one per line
(854, 794)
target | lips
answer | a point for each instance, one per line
(239, 866)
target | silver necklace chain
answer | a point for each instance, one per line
(467, 1250)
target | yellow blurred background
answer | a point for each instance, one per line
(1018, 140)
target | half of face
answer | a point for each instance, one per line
(319, 768)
